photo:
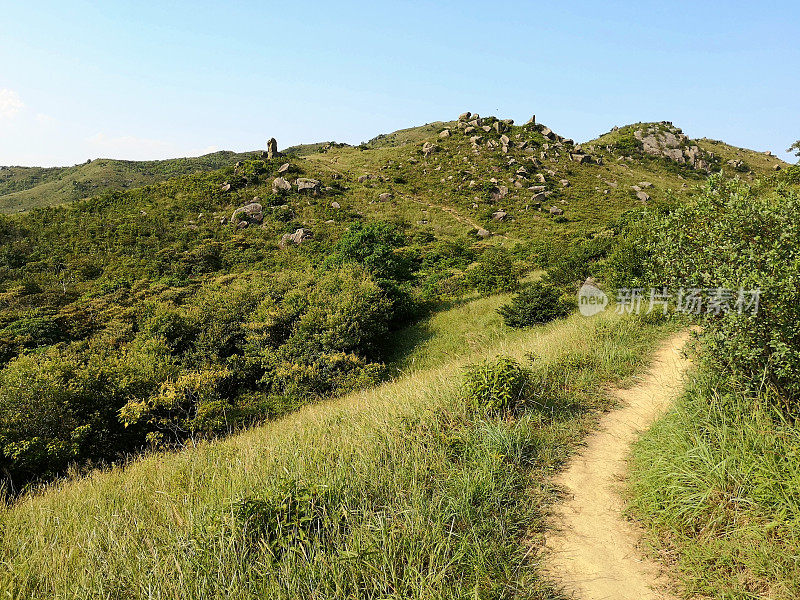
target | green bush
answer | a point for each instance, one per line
(496, 387)
(540, 302)
(496, 271)
(734, 239)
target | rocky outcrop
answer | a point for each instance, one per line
(664, 139)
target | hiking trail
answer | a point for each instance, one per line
(594, 552)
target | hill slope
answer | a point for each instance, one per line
(25, 188)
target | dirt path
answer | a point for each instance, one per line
(594, 551)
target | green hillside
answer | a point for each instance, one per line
(25, 188)
(289, 377)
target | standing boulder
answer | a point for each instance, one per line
(272, 148)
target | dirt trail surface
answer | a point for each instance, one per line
(594, 551)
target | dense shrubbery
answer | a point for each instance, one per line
(734, 239)
(540, 302)
(496, 387)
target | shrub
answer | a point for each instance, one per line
(495, 271)
(733, 239)
(496, 387)
(538, 303)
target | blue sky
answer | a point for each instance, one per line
(149, 79)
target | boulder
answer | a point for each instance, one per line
(499, 215)
(487, 128)
(580, 158)
(555, 211)
(311, 186)
(363, 178)
(272, 148)
(279, 184)
(225, 187)
(445, 133)
(468, 130)
(336, 205)
(428, 149)
(385, 197)
(250, 213)
(564, 183)
(284, 167)
(642, 196)
(776, 168)
(464, 116)
(483, 233)
(298, 237)
(531, 121)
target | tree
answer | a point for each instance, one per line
(794, 148)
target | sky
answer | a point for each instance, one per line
(158, 79)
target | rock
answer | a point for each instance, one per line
(642, 196)
(336, 205)
(645, 184)
(580, 158)
(242, 224)
(445, 133)
(279, 184)
(385, 197)
(636, 188)
(564, 183)
(428, 149)
(502, 191)
(283, 168)
(250, 213)
(469, 130)
(554, 210)
(464, 116)
(272, 148)
(483, 233)
(536, 189)
(298, 237)
(499, 215)
(499, 126)
(548, 133)
(487, 128)
(540, 178)
(363, 178)
(504, 140)
(308, 185)
(531, 121)
(522, 171)
(540, 197)
(225, 187)
(768, 153)
(776, 168)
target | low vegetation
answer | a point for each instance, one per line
(390, 493)
(716, 481)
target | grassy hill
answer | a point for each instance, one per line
(25, 188)
(235, 298)
(401, 484)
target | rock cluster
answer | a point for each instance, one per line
(664, 139)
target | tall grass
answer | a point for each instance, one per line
(396, 492)
(718, 482)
